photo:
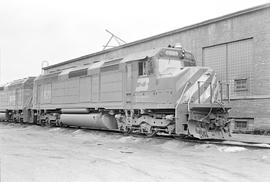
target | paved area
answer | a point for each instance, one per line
(32, 153)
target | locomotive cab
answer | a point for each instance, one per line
(166, 61)
(170, 61)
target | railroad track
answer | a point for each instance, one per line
(235, 143)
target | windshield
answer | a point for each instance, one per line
(172, 60)
(167, 66)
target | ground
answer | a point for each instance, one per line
(34, 153)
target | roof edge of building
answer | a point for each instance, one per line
(189, 27)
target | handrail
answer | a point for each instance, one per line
(220, 84)
(227, 91)
(182, 94)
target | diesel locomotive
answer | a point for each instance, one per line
(155, 92)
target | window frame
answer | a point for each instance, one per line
(240, 124)
(142, 68)
(240, 84)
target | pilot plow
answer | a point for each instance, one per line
(207, 121)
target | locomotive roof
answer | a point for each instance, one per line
(19, 82)
(93, 66)
(2, 86)
(141, 55)
(149, 53)
(88, 67)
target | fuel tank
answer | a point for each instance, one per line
(75, 111)
(94, 120)
(3, 116)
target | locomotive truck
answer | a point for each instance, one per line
(154, 92)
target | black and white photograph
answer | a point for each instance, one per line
(134, 91)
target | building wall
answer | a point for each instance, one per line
(253, 26)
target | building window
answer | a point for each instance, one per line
(142, 68)
(240, 124)
(240, 84)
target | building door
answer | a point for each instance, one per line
(216, 58)
(233, 63)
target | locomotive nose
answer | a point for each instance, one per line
(196, 85)
(199, 112)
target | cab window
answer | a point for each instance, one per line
(145, 67)
(142, 68)
(171, 61)
(168, 66)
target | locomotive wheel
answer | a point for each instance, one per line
(153, 133)
(128, 131)
(42, 122)
(146, 129)
(47, 122)
(60, 124)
